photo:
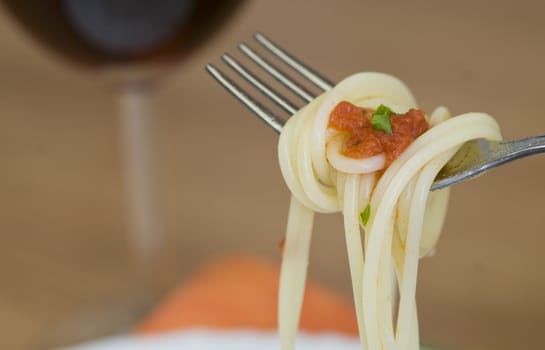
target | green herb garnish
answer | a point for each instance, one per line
(381, 119)
(365, 214)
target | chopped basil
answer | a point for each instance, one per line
(382, 109)
(381, 119)
(365, 214)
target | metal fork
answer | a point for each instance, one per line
(473, 158)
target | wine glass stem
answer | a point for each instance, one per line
(146, 226)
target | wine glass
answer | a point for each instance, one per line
(134, 43)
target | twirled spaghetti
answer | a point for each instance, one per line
(404, 218)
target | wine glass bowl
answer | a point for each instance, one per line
(100, 32)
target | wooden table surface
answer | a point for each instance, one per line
(65, 260)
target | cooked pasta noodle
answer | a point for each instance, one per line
(405, 218)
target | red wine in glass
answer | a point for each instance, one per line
(112, 32)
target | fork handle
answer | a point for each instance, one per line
(491, 155)
(521, 148)
(508, 151)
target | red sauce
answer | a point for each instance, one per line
(364, 141)
(282, 245)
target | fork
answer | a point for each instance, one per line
(472, 159)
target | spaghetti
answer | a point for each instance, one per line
(388, 197)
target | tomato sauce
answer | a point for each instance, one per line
(364, 141)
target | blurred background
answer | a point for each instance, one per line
(66, 257)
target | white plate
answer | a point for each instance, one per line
(201, 339)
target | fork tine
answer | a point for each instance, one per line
(306, 71)
(257, 108)
(279, 75)
(264, 88)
